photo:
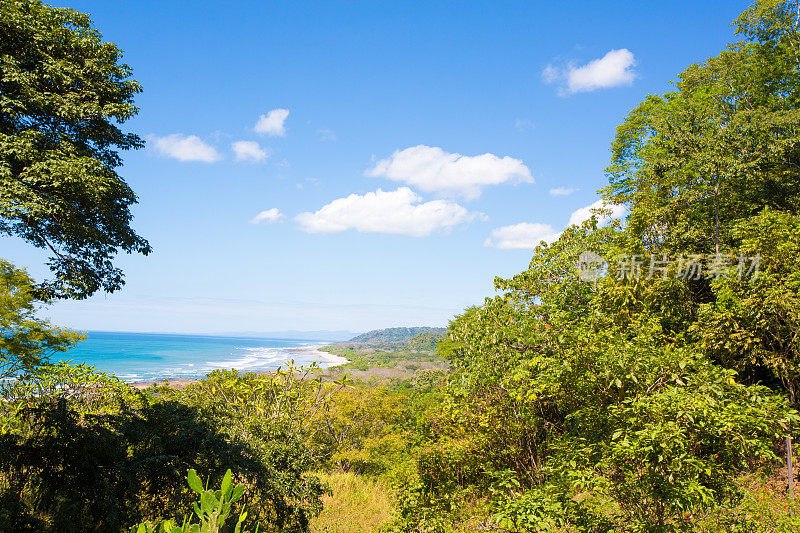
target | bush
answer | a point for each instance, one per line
(82, 451)
(212, 509)
(762, 507)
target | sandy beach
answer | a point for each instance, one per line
(327, 362)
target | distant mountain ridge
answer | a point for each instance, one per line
(395, 335)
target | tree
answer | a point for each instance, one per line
(25, 340)
(752, 326)
(580, 407)
(63, 94)
(719, 148)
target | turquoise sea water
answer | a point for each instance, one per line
(150, 356)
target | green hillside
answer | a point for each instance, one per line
(390, 348)
(395, 335)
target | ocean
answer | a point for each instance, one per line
(152, 357)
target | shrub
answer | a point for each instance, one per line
(212, 509)
(82, 451)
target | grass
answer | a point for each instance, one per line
(357, 505)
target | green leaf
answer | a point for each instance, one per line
(237, 492)
(208, 502)
(194, 481)
(226, 483)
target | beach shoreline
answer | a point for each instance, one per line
(329, 361)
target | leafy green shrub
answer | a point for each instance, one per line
(566, 415)
(82, 451)
(450, 464)
(534, 510)
(419, 509)
(212, 509)
(275, 416)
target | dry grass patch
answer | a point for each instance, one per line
(358, 504)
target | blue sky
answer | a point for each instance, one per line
(466, 116)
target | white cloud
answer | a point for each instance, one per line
(394, 212)
(528, 235)
(434, 170)
(185, 148)
(272, 123)
(270, 216)
(612, 70)
(249, 151)
(585, 213)
(562, 191)
(550, 74)
(525, 235)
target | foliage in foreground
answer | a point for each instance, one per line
(592, 407)
(82, 451)
(211, 510)
(764, 507)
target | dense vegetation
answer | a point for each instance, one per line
(655, 398)
(405, 349)
(636, 401)
(396, 336)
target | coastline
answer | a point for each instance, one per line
(329, 361)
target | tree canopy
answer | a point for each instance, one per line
(63, 94)
(723, 146)
(25, 340)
